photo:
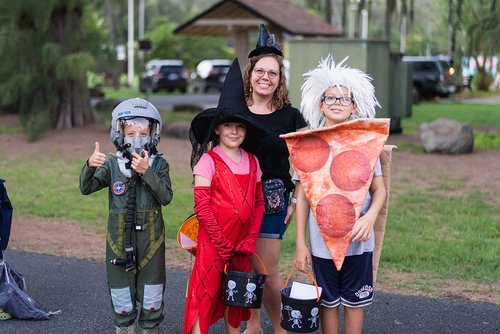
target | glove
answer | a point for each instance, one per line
(224, 247)
(247, 245)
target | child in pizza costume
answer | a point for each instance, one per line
(228, 204)
(139, 185)
(333, 94)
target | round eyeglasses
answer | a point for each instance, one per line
(272, 74)
(345, 101)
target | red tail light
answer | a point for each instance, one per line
(214, 72)
(185, 74)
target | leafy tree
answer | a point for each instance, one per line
(191, 50)
(46, 51)
(479, 28)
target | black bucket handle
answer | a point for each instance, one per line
(258, 258)
(312, 279)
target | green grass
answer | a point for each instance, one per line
(479, 93)
(430, 234)
(128, 92)
(450, 236)
(122, 92)
(5, 130)
(484, 119)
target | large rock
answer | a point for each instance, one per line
(447, 136)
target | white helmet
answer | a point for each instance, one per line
(132, 108)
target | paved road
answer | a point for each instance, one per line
(78, 288)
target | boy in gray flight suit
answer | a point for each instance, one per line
(139, 184)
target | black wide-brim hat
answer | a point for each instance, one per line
(232, 107)
(203, 127)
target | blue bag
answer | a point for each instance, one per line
(5, 217)
(13, 297)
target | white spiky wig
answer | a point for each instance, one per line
(328, 74)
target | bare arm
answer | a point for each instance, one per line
(302, 253)
(363, 228)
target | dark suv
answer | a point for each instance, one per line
(164, 74)
(432, 76)
(210, 75)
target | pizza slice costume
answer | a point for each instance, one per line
(336, 165)
(229, 211)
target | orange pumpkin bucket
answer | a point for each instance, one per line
(187, 236)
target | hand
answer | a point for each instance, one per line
(303, 258)
(290, 210)
(362, 229)
(97, 158)
(245, 247)
(140, 164)
(226, 253)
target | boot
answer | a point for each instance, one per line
(155, 330)
(125, 330)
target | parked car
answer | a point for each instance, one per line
(432, 76)
(166, 74)
(210, 75)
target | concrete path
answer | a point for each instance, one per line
(78, 288)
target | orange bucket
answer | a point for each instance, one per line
(187, 236)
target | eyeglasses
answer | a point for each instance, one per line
(345, 101)
(272, 74)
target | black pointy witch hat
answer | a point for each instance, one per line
(232, 107)
(266, 44)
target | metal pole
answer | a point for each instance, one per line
(140, 38)
(141, 19)
(364, 24)
(130, 44)
(402, 45)
(352, 19)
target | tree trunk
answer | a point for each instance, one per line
(74, 109)
(454, 20)
(115, 66)
(389, 8)
(345, 4)
(482, 82)
(328, 12)
(64, 120)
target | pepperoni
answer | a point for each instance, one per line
(335, 215)
(350, 170)
(310, 153)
